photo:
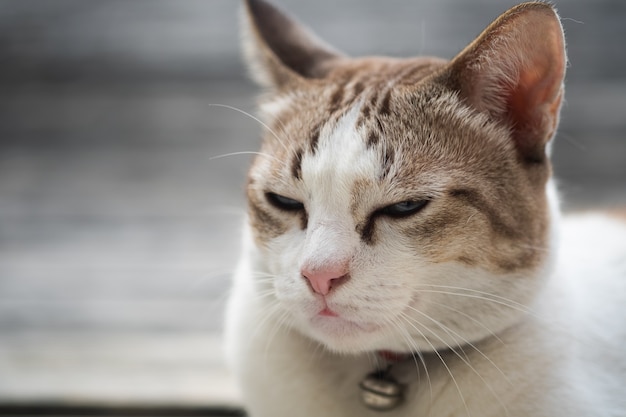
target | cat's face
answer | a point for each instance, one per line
(394, 205)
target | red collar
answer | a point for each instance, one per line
(393, 357)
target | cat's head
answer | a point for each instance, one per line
(403, 204)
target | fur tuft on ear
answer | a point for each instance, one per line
(514, 72)
(280, 50)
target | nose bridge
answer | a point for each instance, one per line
(328, 242)
(328, 251)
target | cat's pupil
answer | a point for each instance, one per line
(283, 203)
(404, 208)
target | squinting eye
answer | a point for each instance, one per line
(404, 208)
(284, 203)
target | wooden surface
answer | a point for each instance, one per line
(119, 220)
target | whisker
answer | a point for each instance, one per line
(281, 125)
(464, 358)
(524, 310)
(467, 316)
(452, 287)
(269, 129)
(266, 314)
(415, 353)
(277, 326)
(451, 332)
(410, 321)
(480, 295)
(226, 155)
(534, 247)
(317, 352)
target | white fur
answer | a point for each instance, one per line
(566, 359)
(543, 345)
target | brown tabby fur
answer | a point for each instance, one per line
(476, 151)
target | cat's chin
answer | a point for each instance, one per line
(340, 327)
(345, 336)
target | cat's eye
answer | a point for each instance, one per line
(284, 203)
(403, 208)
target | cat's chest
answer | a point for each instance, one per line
(464, 382)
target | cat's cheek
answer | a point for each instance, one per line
(282, 252)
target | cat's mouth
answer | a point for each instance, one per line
(338, 326)
(331, 320)
(327, 312)
(335, 323)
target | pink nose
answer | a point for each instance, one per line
(323, 279)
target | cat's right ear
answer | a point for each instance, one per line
(279, 50)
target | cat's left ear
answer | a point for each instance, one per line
(279, 50)
(514, 71)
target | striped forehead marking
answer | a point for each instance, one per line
(355, 107)
(342, 158)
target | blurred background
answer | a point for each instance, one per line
(120, 207)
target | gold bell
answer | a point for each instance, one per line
(380, 391)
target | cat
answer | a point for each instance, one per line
(404, 250)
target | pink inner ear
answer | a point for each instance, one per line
(514, 72)
(540, 82)
(534, 101)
